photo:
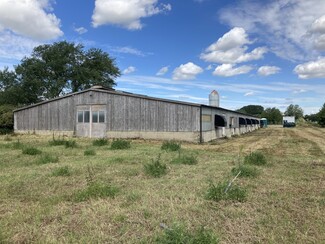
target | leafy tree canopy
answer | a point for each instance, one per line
(294, 110)
(255, 110)
(273, 115)
(55, 69)
(321, 116)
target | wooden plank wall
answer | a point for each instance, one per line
(124, 113)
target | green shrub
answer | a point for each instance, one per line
(62, 171)
(57, 142)
(31, 151)
(120, 144)
(155, 168)
(47, 158)
(89, 152)
(178, 234)
(256, 158)
(185, 159)
(96, 190)
(70, 144)
(100, 142)
(217, 192)
(245, 171)
(170, 146)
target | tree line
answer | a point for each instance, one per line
(53, 70)
(274, 115)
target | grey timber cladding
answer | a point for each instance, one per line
(123, 113)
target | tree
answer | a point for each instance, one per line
(294, 110)
(56, 69)
(321, 116)
(255, 110)
(273, 115)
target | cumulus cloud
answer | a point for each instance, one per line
(129, 70)
(284, 24)
(29, 18)
(15, 47)
(187, 71)
(162, 71)
(318, 33)
(268, 70)
(80, 30)
(232, 48)
(312, 69)
(127, 14)
(230, 70)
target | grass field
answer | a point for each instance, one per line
(86, 192)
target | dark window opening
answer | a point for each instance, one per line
(95, 117)
(242, 121)
(248, 121)
(86, 116)
(219, 121)
(101, 117)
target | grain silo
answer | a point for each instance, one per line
(214, 99)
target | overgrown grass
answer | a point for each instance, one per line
(155, 168)
(90, 152)
(61, 171)
(170, 146)
(31, 151)
(178, 234)
(185, 159)
(17, 145)
(96, 190)
(100, 142)
(221, 191)
(47, 158)
(7, 138)
(57, 142)
(255, 158)
(245, 171)
(70, 144)
(120, 144)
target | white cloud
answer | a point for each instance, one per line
(129, 70)
(268, 70)
(284, 24)
(312, 69)
(15, 47)
(230, 70)
(29, 18)
(127, 14)
(162, 71)
(128, 50)
(251, 93)
(231, 48)
(80, 30)
(319, 25)
(187, 71)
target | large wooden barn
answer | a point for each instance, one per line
(99, 112)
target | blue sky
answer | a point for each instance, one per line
(268, 53)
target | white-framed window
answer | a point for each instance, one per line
(83, 116)
(98, 116)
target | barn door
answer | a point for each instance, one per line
(91, 121)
